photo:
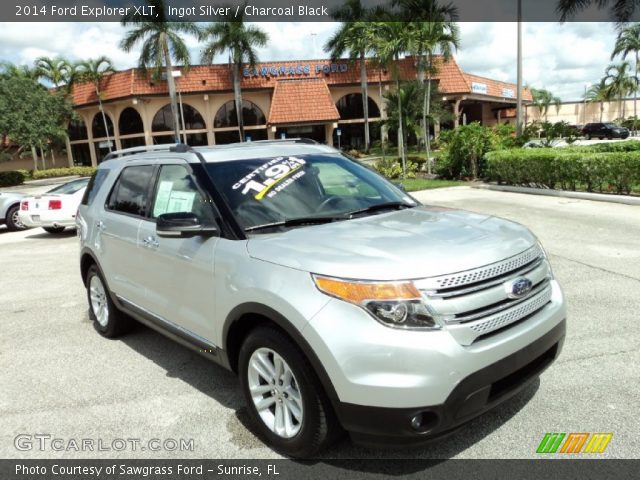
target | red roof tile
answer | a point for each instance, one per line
(299, 101)
(217, 78)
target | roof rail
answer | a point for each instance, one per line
(285, 140)
(148, 148)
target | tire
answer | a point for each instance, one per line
(13, 221)
(107, 319)
(587, 137)
(315, 425)
(53, 230)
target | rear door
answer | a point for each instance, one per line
(180, 271)
(117, 232)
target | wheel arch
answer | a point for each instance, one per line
(245, 317)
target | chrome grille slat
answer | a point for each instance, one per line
(526, 269)
(508, 304)
(478, 274)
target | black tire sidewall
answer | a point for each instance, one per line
(311, 435)
(109, 330)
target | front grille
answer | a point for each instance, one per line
(475, 303)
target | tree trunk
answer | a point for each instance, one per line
(365, 100)
(34, 154)
(601, 110)
(426, 110)
(635, 97)
(53, 157)
(400, 129)
(237, 92)
(44, 165)
(104, 117)
(172, 87)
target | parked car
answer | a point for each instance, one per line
(9, 210)
(604, 130)
(339, 300)
(54, 210)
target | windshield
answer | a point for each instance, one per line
(279, 189)
(611, 125)
(70, 187)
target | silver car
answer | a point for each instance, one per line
(340, 301)
(9, 209)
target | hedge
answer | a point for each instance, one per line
(11, 178)
(63, 172)
(566, 169)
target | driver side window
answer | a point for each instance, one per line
(177, 192)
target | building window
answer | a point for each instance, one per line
(130, 122)
(350, 107)
(132, 142)
(97, 126)
(77, 130)
(251, 114)
(162, 121)
(80, 154)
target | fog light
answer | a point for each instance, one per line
(416, 422)
(424, 421)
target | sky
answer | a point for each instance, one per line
(562, 58)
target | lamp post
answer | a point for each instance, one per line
(178, 74)
(584, 105)
(519, 73)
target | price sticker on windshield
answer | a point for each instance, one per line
(271, 177)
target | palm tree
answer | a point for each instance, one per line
(8, 69)
(628, 41)
(392, 40)
(621, 10)
(56, 70)
(620, 82)
(240, 40)
(435, 31)
(599, 92)
(93, 70)
(161, 42)
(354, 36)
(543, 99)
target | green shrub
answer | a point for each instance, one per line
(27, 174)
(464, 149)
(11, 178)
(63, 172)
(391, 168)
(565, 169)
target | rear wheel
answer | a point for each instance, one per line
(285, 399)
(13, 219)
(53, 230)
(108, 320)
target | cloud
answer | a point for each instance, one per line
(559, 57)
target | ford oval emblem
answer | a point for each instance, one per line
(518, 287)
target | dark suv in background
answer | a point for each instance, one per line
(604, 130)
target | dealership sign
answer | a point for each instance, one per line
(508, 93)
(294, 70)
(479, 88)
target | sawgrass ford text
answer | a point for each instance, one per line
(144, 471)
(54, 11)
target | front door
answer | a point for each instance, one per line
(179, 270)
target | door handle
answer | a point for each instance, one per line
(150, 242)
(100, 225)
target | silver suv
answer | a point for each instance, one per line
(339, 300)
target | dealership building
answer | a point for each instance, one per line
(318, 99)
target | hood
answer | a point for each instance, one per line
(406, 244)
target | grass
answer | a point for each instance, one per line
(415, 184)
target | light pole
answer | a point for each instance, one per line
(519, 73)
(584, 105)
(178, 74)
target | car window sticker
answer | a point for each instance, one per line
(271, 177)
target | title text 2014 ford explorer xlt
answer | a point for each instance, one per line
(339, 300)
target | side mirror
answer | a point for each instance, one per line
(401, 186)
(182, 225)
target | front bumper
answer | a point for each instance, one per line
(474, 395)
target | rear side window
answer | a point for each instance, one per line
(131, 192)
(96, 181)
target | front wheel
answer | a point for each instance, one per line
(587, 137)
(13, 219)
(285, 399)
(53, 230)
(108, 320)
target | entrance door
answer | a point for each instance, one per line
(314, 132)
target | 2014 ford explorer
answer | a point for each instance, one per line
(340, 301)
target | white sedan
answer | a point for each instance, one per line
(55, 209)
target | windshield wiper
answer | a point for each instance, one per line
(381, 206)
(296, 222)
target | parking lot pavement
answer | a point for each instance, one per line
(59, 377)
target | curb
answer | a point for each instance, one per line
(596, 197)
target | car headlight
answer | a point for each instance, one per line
(394, 304)
(546, 258)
